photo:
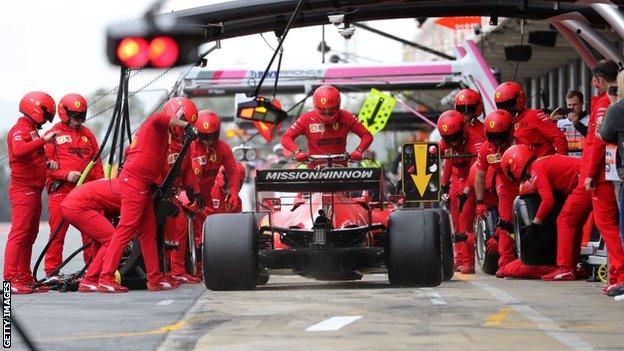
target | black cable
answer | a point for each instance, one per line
(279, 46)
(277, 72)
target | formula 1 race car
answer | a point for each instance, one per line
(326, 232)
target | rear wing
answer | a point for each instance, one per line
(318, 180)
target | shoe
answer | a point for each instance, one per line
(466, 269)
(616, 290)
(165, 283)
(560, 274)
(186, 279)
(606, 288)
(619, 298)
(110, 287)
(87, 286)
(20, 288)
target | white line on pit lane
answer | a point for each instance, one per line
(333, 323)
(433, 296)
(546, 324)
(165, 303)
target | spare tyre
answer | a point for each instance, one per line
(446, 237)
(539, 249)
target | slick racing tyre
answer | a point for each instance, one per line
(415, 251)
(484, 229)
(446, 237)
(131, 267)
(191, 248)
(540, 249)
(230, 255)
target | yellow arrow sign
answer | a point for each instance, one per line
(421, 178)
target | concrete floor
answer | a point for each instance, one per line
(470, 312)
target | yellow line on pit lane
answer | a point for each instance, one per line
(162, 330)
(497, 318)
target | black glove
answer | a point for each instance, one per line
(171, 209)
(508, 227)
(190, 132)
(445, 188)
(161, 193)
(190, 194)
(200, 202)
(462, 198)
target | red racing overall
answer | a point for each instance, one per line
(326, 138)
(73, 149)
(456, 171)
(145, 161)
(207, 161)
(88, 208)
(175, 228)
(28, 173)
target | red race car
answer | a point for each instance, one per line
(329, 230)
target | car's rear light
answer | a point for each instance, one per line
(320, 235)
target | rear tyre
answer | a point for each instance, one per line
(446, 237)
(415, 249)
(191, 248)
(485, 228)
(230, 255)
(540, 249)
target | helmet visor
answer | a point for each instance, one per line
(47, 115)
(209, 136)
(509, 105)
(467, 109)
(79, 115)
(510, 174)
(454, 138)
(497, 137)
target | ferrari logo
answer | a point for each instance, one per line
(462, 97)
(492, 124)
(323, 101)
(206, 125)
(85, 139)
(37, 103)
(517, 126)
(444, 127)
(213, 158)
(335, 125)
(196, 170)
(498, 95)
(77, 104)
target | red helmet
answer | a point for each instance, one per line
(72, 106)
(209, 124)
(38, 106)
(469, 102)
(497, 126)
(515, 162)
(182, 108)
(451, 126)
(327, 103)
(510, 96)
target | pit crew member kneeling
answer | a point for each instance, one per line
(550, 174)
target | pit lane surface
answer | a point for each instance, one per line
(475, 312)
